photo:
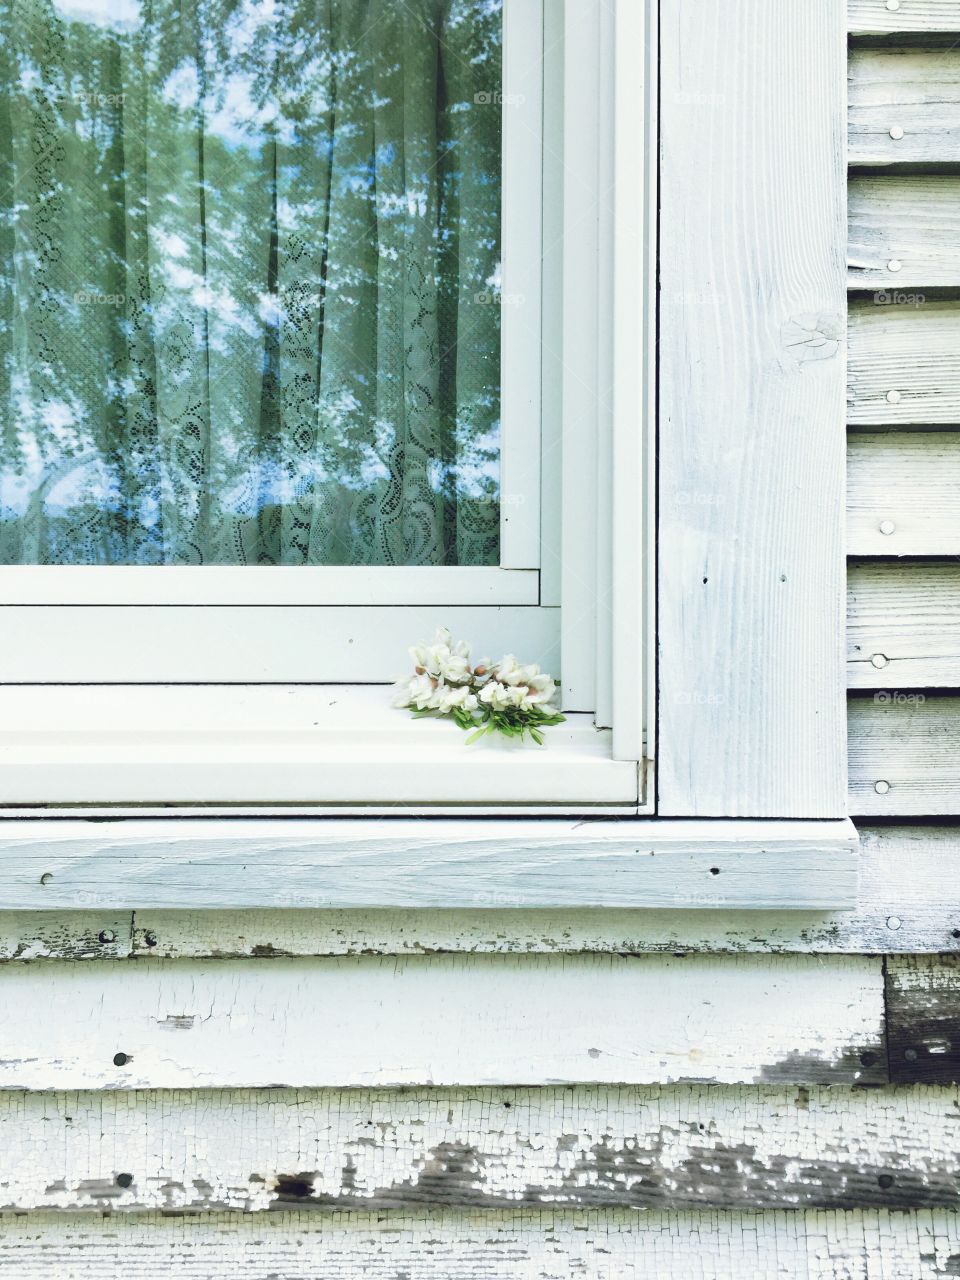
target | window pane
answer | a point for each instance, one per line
(249, 273)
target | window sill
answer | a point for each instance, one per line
(292, 749)
(184, 864)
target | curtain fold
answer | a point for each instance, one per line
(250, 259)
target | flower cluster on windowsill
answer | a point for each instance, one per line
(504, 697)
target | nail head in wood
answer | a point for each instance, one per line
(879, 660)
(887, 527)
(893, 397)
(896, 133)
(881, 787)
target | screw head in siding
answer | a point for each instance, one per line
(121, 1059)
(893, 5)
(894, 264)
(150, 939)
(881, 787)
(896, 133)
(107, 935)
(894, 923)
(887, 527)
(124, 1179)
(879, 660)
(893, 397)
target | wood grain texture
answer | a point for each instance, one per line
(440, 1020)
(909, 901)
(923, 1018)
(903, 626)
(910, 352)
(752, 374)
(904, 236)
(427, 863)
(908, 483)
(875, 17)
(696, 1146)
(532, 1244)
(908, 744)
(913, 90)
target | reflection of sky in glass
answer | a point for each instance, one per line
(250, 314)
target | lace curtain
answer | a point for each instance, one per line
(249, 268)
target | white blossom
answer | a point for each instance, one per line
(457, 696)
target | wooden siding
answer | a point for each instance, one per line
(531, 1244)
(442, 1020)
(904, 106)
(736, 1147)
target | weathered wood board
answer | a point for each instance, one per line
(904, 106)
(752, 304)
(903, 626)
(909, 901)
(533, 1244)
(904, 364)
(892, 17)
(735, 1147)
(904, 236)
(470, 1020)
(904, 753)
(409, 862)
(923, 1020)
(903, 491)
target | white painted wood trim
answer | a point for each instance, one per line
(583, 145)
(278, 585)
(521, 284)
(633, 374)
(746, 1146)
(373, 1021)
(410, 863)
(753, 298)
(545, 1242)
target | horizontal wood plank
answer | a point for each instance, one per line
(903, 491)
(904, 364)
(733, 1147)
(903, 626)
(903, 755)
(904, 106)
(440, 1020)
(923, 1019)
(904, 236)
(428, 863)
(546, 1243)
(908, 901)
(920, 17)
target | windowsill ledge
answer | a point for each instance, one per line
(190, 864)
(286, 748)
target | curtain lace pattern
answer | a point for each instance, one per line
(249, 262)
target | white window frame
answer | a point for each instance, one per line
(750, 810)
(282, 655)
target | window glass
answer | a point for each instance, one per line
(249, 272)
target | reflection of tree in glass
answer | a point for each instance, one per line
(242, 248)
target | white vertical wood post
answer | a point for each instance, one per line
(752, 386)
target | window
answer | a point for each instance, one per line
(311, 343)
